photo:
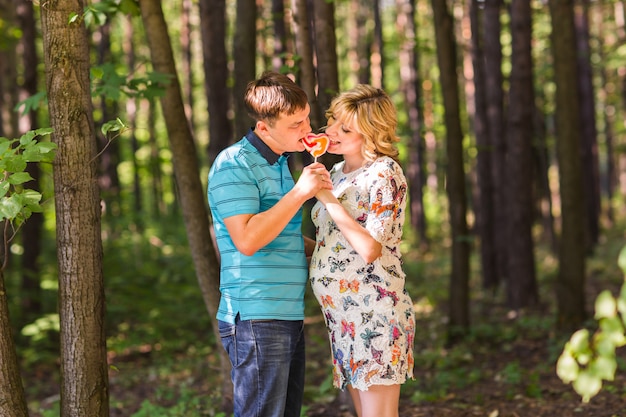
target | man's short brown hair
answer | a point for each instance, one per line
(273, 94)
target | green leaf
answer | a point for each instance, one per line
(112, 126)
(32, 103)
(10, 207)
(605, 305)
(19, 178)
(74, 17)
(4, 188)
(129, 7)
(40, 152)
(16, 164)
(5, 145)
(612, 329)
(44, 131)
(31, 198)
(587, 385)
(27, 137)
(604, 368)
(567, 368)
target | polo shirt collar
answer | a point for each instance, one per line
(263, 149)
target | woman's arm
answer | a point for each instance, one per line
(359, 238)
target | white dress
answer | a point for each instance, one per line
(368, 313)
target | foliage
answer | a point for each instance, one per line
(588, 360)
(109, 82)
(98, 13)
(16, 202)
(188, 405)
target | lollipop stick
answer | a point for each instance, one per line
(315, 159)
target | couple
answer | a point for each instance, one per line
(355, 269)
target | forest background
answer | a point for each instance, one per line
(512, 126)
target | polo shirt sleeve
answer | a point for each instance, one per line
(232, 188)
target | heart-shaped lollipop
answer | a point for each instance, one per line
(316, 144)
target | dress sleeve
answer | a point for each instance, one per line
(387, 196)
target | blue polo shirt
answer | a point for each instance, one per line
(249, 178)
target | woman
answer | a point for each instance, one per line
(356, 271)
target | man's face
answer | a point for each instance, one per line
(287, 131)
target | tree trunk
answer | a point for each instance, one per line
(84, 370)
(484, 160)
(361, 39)
(542, 164)
(570, 287)
(109, 148)
(326, 54)
(589, 139)
(521, 281)
(495, 126)
(12, 400)
(280, 35)
(377, 56)
(32, 229)
(244, 56)
(411, 86)
(304, 49)
(610, 182)
(186, 29)
(327, 72)
(132, 108)
(9, 89)
(459, 318)
(213, 27)
(186, 170)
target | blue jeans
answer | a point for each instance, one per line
(267, 358)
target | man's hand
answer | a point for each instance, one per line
(314, 177)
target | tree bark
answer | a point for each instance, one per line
(361, 39)
(570, 287)
(280, 35)
(186, 171)
(377, 56)
(485, 210)
(326, 53)
(589, 133)
(213, 28)
(84, 371)
(410, 84)
(12, 399)
(32, 229)
(521, 283)
(244, 56)
(327, 72)
(304, 49)
(459, 318)
(495, 122)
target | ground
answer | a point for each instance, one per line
(495, 396)
(505, 368)
(484, 383)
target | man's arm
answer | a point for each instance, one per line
(251, 232)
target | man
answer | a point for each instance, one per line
(256, 208)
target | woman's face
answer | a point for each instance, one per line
(344, 137)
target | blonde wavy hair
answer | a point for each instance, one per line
(375, 118)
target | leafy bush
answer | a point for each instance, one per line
(588, 360)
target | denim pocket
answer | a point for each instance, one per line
(227, 336)
(226, 329)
